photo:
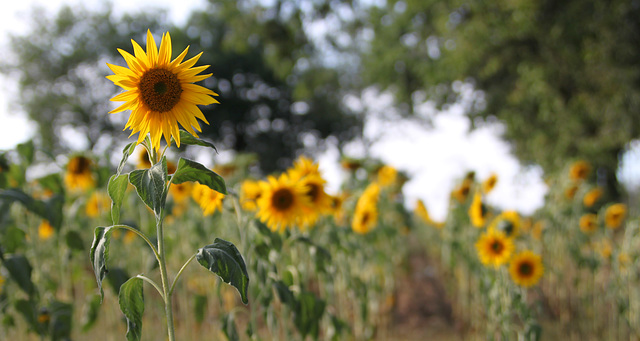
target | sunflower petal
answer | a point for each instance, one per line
(152, 50)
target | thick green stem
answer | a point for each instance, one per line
(165, 279)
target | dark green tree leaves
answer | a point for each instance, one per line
(223, 259)
(131, 299)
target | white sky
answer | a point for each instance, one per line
(433, 157)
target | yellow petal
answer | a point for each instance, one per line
(152, 50)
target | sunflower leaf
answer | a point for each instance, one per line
(131, 300)
(20, 271)
(150, 185)
(193, 171)
(116, 188)
(99, 255)
(188, 139)
(126, 152)
(223, 259)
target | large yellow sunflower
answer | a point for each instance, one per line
(526, 268)
(209, 200)
(159, 91)
(494, 248)
(280, 205)
(79, 175)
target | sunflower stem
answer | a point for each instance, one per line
(165, 278)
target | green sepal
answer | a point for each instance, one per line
(131, 300)
(223, 259)
(193, 171)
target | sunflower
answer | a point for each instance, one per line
(302, 167)
(249, 194)
(462, 192)
(478, 212)
(591, 197)
(159, 92)
(337, 209)
(319, 202)
(494, 248)
(570, 192)
(45, 230)
(79, 175)
(208, 199)
(350, 164)
(508, 222)
(97, 204)
(129, 237)
(386, 176)
(490, 183)
(365, 217)
(614, 215)
(579, 170)
(526, 268)
(421, 211)
(280, 205)
(588, 223)
(180, 192)
(1, 283)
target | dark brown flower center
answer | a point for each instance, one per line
(365, 218)
(79, 165)
(525, 269)
(160, 89)
(497, 247)
(313, 192)
(282, 199)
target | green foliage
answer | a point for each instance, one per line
(131, 300)
(99, 254)
(151, 185)
(20, 270)
(223, 259)
(193, 171)
(116, 188)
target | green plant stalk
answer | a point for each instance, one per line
(168, 309)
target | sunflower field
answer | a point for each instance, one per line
(128, 248)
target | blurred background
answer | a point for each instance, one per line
(435, 88)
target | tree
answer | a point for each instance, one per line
(562, 75)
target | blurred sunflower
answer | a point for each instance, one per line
(97, 204)
(386, 176)
(604, 248)
(45, 230)
(280, 205)
(579, 170)
(337, 209)
(159, 92)
(2, 280)
(588, 223)
(570, 192)
(490, 183)
(143, 159)
(508, 222)
(208, 199)
(318, 201)
(462, 192)
(614, 215)
(79, 175)
(365, 218)
(537, 230)
(129, 237)
(350, 164)
(592, 197)
(526, 268)
(171, 167)
(302, 167)
(421, 211)
(180, 192)
(494, 248)
(478, 212)
(249, 194)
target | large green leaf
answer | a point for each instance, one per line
(54, 212)
(20, 271)
(151, 185)
(74, 240)
(28, 310)
(224, 259)
(192, 171)
(36, 206)
(60, 324)
(131, 299)
(99, 254)
(116, 188)
(188, 139)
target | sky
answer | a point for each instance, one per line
(434, 157)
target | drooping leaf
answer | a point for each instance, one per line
(131, 299)
(31, 204)
(188, 139)
(99, 254)
(193, 171)
(126, 152)
(151, 184)
(116, 188)
(20, 271)
(224, 259)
